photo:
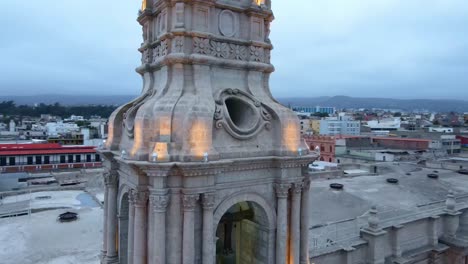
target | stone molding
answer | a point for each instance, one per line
(282, 190)
(217, 167)
(189, 201)
(159, 202)
(138, 198)
(208, 201)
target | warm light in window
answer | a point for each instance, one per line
(260, 2)
(199, 139)
(143, 5)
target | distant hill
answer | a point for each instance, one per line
(339, 102)
(69, 99)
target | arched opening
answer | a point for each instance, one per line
(122, 244)
(242, 235)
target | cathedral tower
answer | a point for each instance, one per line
(205, 166)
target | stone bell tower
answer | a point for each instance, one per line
(205, 166)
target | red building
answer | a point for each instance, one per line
(463, 141)
(401, 143)
(37, 157)
(326, 144)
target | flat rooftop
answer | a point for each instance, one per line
(412, 193)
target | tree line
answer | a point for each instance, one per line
(9, 108)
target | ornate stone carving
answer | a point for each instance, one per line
(189, 201)
(297, 187)
(138, 197)
(160, 50)
(250, 115)
(159, 202)
(111, 178)
(238, 52)
(219, 49)
(201, 45)
(282, 190)
(231, 51)
(227, 23)
(178, 44)
(208, 200)
(256, 54)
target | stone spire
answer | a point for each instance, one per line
(205, 75)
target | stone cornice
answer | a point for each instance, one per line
(193, 169)
(178, 58)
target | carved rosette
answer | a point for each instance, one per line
(208, 201)
(111, 178)
(178, 43)
(282, 190)
(159, 202)
(138, 198)
(257, 115)
(189, 201)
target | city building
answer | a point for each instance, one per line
(339, 126)
(37, 157)
(390, 124)
(463, 140)
(313, 110)
(401, 143)
(67, 139)
(324, 144)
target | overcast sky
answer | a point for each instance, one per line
(368, 48)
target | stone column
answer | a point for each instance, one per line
(375, 237)
(296, 222)
(131, 228)
(305, 222)
(188, 249)
(159, 204)
(104, 226)
(140, 199)
(208, 249)
(282, 222)
(111, 180)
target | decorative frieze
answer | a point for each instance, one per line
(232, 51)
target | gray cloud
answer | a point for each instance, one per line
(391, 48)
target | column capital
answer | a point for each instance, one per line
(159, 202)
(138, 198)
(189, 201)
(297, 187)
(282, 189)
(208, 200)
(306, 184)
(111, 178)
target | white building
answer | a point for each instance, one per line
(54, 129)
(341, 125)
(385, 124)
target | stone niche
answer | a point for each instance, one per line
(205, 71)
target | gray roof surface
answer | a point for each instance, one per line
(411, 194)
